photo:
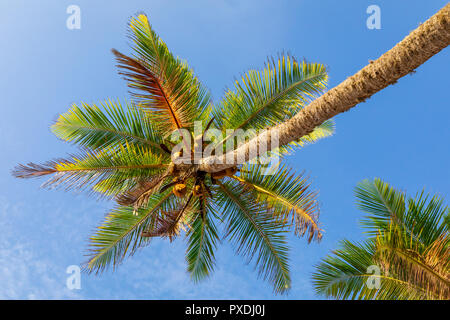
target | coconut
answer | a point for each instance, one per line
(179, 190)
(197, 190)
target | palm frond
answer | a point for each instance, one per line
(111, 125)
(413, 262)
(447, 220)
(345, 275)
(202, 239)
(170, 223)
(408, 243)
(121, 232)
(288, 195)
(255, 232)
(382, 202)
(162, 83)
(140, 193)
(266, 98)
(90, 168)
(424, 217)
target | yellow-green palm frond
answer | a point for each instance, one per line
(161, 83)
(288, 195)
(265, 98)
(110, 187)
(408, 244)
(141, 191)
(202, 238)
(118, 165)
(121, 232)
(405, 257)
(350, 273)
(110, 125)
(256, 233)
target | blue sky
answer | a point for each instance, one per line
(400, 135)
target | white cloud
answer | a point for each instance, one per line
(24, 273)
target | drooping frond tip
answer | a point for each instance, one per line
(34, 170)
(288, 196)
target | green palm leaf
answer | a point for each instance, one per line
(118, 165)
(424, 218)
(202, 240)
(345, 275)
(121, 232)
(288, 195)
(408, 243)
(381, 202)
(162, 83)
(265, 98)
(255, 231)
(114, 124)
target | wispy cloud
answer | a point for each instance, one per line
(24, 272)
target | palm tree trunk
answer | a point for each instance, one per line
(419, 46)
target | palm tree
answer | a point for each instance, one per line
(408, 243)
(129, 154)
(420, 45)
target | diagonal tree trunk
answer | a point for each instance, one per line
(419, 46)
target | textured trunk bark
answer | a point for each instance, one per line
(420, 45)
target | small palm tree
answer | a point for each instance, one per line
(129, 154)
(409, 244)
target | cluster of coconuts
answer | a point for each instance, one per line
(180, 188)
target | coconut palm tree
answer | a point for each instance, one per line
(130, 154)
(407, 253)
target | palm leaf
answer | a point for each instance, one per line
(202, 240)
(324, 130)
(409, 244)
(424, 218)
(169, 223)
(114, 124)
(288, 195)
(90, 168)
(255, 232)
(413, 262)
(141, 191)
(345, 275)
(266, 98)
(381, 202)
(121, 232)
(162, 83)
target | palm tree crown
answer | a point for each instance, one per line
(408, 242)
(128, 155)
